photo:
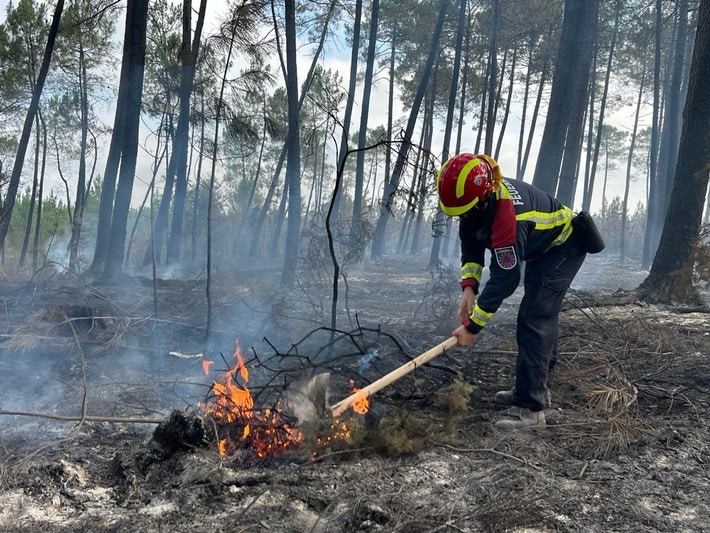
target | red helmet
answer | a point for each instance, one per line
(462, 182)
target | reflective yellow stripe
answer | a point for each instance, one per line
(564, 235)
(544, 221)
(480, 317)
(472, 271)
(463, 175)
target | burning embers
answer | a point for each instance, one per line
(361, 402)
(231, 417)
(267, 432)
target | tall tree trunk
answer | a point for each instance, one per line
(343, 149)
(672, 117)
(13, 185)
(533, 121)
(355, 229)
(509, 99)
(519, 170)
(439, 219)
(33, 195)
(589, 182)
(378, 242)
(198, 182)
(671, 275)
(264, 211)
(421, 175)
(279, 223)
(40, 195)
(577, 29)
(629, 164)
(113, 159)
(181, 141)
(134, 60)
(582, 79)
(81, 179)
(411, 198)
(154, 250)
(293, 166)
(213, 172)
(650, 240)
(492, 79)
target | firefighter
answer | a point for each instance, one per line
(518, 223)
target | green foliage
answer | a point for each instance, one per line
(608, 221)
(456, 399)
(54, 228)
(22, 38)
(405, 430)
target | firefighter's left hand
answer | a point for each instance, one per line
(464, 336)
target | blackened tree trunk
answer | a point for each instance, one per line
(355, 229)
(80, 202)
(439, 220)
(13, 185)
(492, 80)
(343, 150)
(653, 206)
(671, 275)
(40, 195)
(113, 160)
(589, 178)
(182, 133)
(260, 218)
(134, 63)
(580, 98)
(33, 196)
(293, 165)
(672, 117)
(573, 61)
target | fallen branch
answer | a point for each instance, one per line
(487, 450)
(85, 418)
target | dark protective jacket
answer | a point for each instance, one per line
(519, 223)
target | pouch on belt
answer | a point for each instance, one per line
(592, 240)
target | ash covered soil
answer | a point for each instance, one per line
(88, 372)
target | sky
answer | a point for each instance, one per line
(339, 60)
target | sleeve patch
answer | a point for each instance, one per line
(506, 257)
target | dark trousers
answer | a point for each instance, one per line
(547, 279)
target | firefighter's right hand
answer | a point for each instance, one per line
(464, 337)
(468, 300)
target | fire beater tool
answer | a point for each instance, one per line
(316, 386)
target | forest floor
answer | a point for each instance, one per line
(90, 374)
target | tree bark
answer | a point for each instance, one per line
(355, 230)
(134, 62)
(182, 133)
(439, 220)
(589, 182)
(573, 61)
(671, 275)
(293, 165)
(650, 241)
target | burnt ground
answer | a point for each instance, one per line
(626, 447)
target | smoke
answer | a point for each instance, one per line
(367, 359)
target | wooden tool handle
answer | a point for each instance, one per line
(342, 406)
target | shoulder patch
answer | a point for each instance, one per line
(506, 257)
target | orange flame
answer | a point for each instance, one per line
(361, 404)
(233, 404)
